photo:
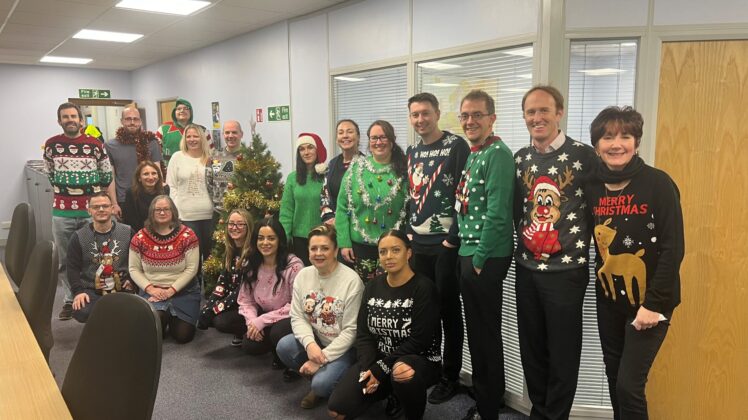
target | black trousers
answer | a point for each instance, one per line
(628, 355)
(300, 248)
(442, 269)
(482, 296)
(549, 319)
(271, 336)
(230, 322)
(347, 398)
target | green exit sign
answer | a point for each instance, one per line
(94, 93)
(279, 113)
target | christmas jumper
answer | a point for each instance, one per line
(90, 252)
(639, 241)
(170, 134)
(135, 209)
(484, 202)
(77, 168)
(299, 209)
(188, 188)
(219, 174)
(324, 309)
(371, 201)
(553, 228)
(164, 260)
(331, 187)
(433, 171)
(259, 305)
(224, 295)
(124, 158)
(396, 322)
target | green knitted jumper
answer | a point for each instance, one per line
(300, 206)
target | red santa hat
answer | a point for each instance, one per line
(105, 249)
(544, 183)
(316, 141)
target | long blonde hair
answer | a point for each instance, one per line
(203, 142)
(231, 249)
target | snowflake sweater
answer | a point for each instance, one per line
(397, 321)
(77, 168)
(433, 171)
(638, 235)
(299, 210)
(484, 198)
(325, 308)
(259, 305)
(553, 229)
(219, 174)
(164, 260)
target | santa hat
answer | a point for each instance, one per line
(330, 299)
(316, 141)
(544, 183)
(105, 249)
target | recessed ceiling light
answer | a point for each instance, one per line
(349, 79)
(435, 65)
(524, 52)
(601, 72)
(106, 36)
(171, 7)
(65, 60)
(440, 84)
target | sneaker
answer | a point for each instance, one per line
(66, 312)
(393, 408)
(236, 341)
(472, 414)
(443, 391)
(290, 375)
(310, 400)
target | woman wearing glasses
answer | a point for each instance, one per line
(163, 263)
(221, 310)
(371, 199)
(147, 183)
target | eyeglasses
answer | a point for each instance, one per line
(475, 116)
(378, 139)
(164, 210)
(100, 207)
(181, 108)
(131, 119)
(237, 225)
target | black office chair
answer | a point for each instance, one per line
(37, 293)
(21, 240)
(116, 365)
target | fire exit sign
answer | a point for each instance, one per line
(94, 93)
(279, 113)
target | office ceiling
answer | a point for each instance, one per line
(31, 29)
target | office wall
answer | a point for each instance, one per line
(31, 95)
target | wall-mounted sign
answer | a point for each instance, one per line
(94, 93)
(216, 114)
(279, 113)
(258, 115)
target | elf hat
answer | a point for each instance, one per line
(314, 140)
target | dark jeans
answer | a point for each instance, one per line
(442, 269)
(549, 320)
(271, 336)
(300, 248)
(628, 355)
(482, 296)
(348, 400)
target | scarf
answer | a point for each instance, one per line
(141, 139)
(603, 173)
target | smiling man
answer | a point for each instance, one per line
(78, 167)
(219, 173)
(170, 134)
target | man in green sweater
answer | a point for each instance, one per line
(484, 217)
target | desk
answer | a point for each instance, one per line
(27, 388)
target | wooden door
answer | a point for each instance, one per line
(702, 142)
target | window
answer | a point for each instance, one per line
(371, 95)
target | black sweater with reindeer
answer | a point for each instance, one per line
(550, 215)
(639, 242)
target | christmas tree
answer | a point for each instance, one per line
(256, 186)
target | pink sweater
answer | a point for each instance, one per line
(259, 306)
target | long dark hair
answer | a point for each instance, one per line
(302, 170)
(398, 160)
(256, 258)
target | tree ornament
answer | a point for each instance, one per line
(268, 184)
(240, 157)
(366, 220)
(230, 186)
(389, 182)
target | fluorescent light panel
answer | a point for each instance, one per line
(601, 72)
(349, 79)
(171, 7)
(107, 36)
(435, 65)
(65, 60)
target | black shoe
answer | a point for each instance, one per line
(393, 408)
(66, 312)
(443, 391)
(278, 365)
(290, 375)
(472, 414)
(237, 341)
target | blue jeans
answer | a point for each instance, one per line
(62, 229)
(293, 355)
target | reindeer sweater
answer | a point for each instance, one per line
(550, 213)
(84, 254)
(638, 234)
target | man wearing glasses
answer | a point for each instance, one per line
(131, 146)
(553, 237)
(484, 217)
(170, 134)
(97, 257)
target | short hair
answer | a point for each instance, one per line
(325, 230)
(616, 119)
(424, 97)
(397, 233)
(558, 98)
(67, 105)
(480, 95)
(238, 125)
(203, 142)
(150, 223)
(103, 194)
(137, 187)
(355, 126)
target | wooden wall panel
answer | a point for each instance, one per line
(702, 142)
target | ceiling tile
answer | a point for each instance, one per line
(64, 8)
(50, 20)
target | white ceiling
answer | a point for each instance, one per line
(35, 28)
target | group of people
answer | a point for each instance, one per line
(354, 281)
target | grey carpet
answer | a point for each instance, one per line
(209, 379)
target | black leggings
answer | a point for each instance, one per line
(348, 400)
(230, 322)
(182, 331)
(272, 335)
